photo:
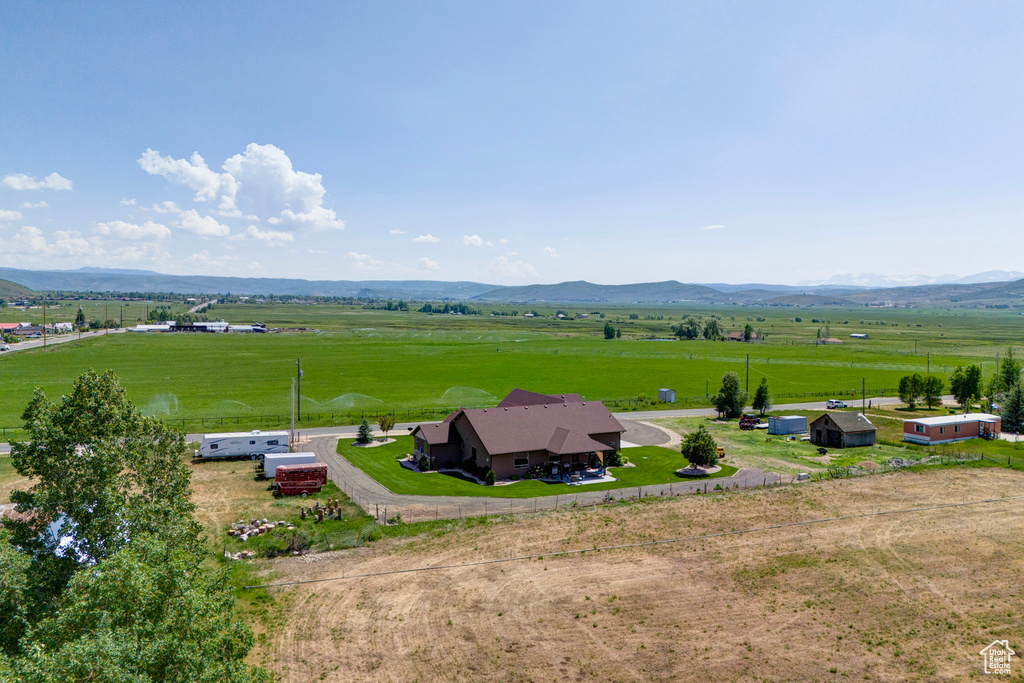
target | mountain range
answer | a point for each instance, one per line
(975, 290)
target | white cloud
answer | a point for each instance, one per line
(37, 205)
(503, 241)
(204, 226)
(396, 231)
(130, 231)
(261, 178)
(30, 241)
(426, 238)
(194, 172)
(9, 215)
(364, 261)
(20, 181)
(141, 253)
(273, 238)
(127, 202)
(713, 227)
(202, 259)
(505, 266)
(550, 251)
(428, 264)
(472, 240)
(167, 207)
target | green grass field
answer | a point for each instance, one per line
(654, 465)
(372, 361)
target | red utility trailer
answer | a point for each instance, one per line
(293, 480)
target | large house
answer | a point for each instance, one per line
(946, 428)
(842, 430)
(563, 433)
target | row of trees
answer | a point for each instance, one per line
(731, 399)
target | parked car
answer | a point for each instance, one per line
(834, 403)
(5, 347)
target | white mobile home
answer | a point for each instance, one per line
(271, 461)
(252, 444)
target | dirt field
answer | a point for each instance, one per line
(902, 597)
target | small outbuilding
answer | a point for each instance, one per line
(787, 424)
(667, 395)
(842, 430)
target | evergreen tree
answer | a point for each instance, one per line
(365, 433)
(609, 331)
(762, 399)
(80, 318)
(1012, 410)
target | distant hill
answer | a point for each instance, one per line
(102, 280)
(581, 291)
(12, 290)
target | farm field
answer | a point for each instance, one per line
(654, 465)
(374, 361)
(908, 597)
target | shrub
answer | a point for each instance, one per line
(515, 477)
(614, 459)
(489, 478)
(424, 463)
(365, 433)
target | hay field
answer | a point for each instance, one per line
(903, 597)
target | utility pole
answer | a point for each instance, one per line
(707, 388)
(929, 362)
(298, 388)
(292, 436)
(44, 323)
(122, 316)
(748, 373)
(106, 317)
(863, 394)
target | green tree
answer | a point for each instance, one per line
(730, 399)
(712, 329)
(748, 332)
(386, 422)
(609, 331)
(618, 333)
(965, 385)
(931, 391)
(365, 433)
(688, 328)
(121, 591)
(910, 389)
(80, 318)
(1009, 372)
(762, 399)
(699, 448)
(1012, 410)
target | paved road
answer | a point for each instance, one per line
(55, 339)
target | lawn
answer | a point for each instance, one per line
(654, 465)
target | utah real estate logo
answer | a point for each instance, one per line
(997, 657)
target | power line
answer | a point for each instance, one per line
(580, 551)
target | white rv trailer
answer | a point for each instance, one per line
(271, 461)
(254, 444)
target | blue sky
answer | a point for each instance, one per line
(513, 142)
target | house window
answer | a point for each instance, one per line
(473, 453)
(942, 430)
(213, 446)
(919, 429)
(956, 429)
(252, 443)
(554, 458)
(521, 461)
(272, 443)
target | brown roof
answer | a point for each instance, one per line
(850, 422)
(515, 429)
(522, 397)
(437, 433)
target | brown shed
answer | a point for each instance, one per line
(842, 430)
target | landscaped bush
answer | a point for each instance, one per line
(489, 478)
(614, 459)
(424, 463)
